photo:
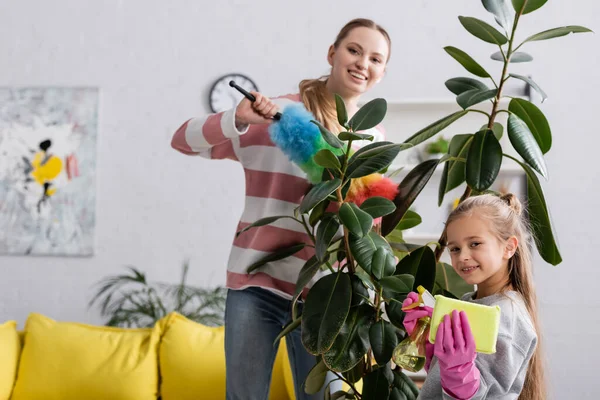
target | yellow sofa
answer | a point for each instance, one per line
(177, 359)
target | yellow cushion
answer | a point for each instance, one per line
(192, 362)
(10, 349)
(72, 361)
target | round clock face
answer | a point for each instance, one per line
(223, 97)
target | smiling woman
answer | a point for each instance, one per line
(260, 299)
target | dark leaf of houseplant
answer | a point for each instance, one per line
(325, 158)
(483, 30)
(473, 97)
(527, 6)
(454, 173)
(467, 61)
(317, 212)
(393, 309)
(360, 294)
(405, 385)
(502, 10)
(364, 248)
(535, 120)
(308, 271)
(410, 187)
(262, 222)
(340, 107)
(278, 254)
(357, 221)
(383, 263)
(369, 115)
(532, 83)
(328, 136)
(409, 220)
(382, 336)
(461, 85)
(346, 136)
(517, 57)
(316, 378)
(557, 32)
(447, 279)
(421, 265)
(525, 144)
(352, 342)
(318, 193)
(398, 283)
(434, 128)
(483, 161)
(356, 373)
(325, 310)
(376, 385)
(325, 233)
(373, 160)
(378, 206)
(540, 218)
(290, 327)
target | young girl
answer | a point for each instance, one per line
(489, 245)
(258, 304)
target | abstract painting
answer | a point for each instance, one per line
(48, 170)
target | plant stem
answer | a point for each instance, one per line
(356, 393)
(350, 260)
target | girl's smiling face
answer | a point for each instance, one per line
(478, 256)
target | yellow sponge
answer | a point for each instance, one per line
(484, 321)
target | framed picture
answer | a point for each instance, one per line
(48, 170)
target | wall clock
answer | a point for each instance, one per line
(223, 97)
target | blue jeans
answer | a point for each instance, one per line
(253, 319)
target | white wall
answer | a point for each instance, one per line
(154, 62)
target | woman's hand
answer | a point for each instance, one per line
(259, 112)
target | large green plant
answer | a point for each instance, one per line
(352, 318)
(131, 301)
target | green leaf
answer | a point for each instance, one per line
(360, 294)
(340, 107)
(352, 343)
(396, 394)
(317, 212)
(325, 310)
(383, 340)
(525, 144)
(461, 85)
(364, 278)
(483, 30)
(376, 385)
(328, 136)
(356, 373)
(325, 233)
(364, 248)
(289, 328)
(467, 61)
(502, 11)
(454, 171)
(409, 220)
(307, 273)
(516, 57)
(369, 115)
(278, 254)
(372, 159)
(406, 247)
(325, 158)
(540, 218)
(383, 263)
(527, 6)
(262, 222)
(497, 128)
(398, 283)
(421, 265)
(378, 206)
(316, 378)
(318, 193)
(410, 187)
(393, 310)
(447, 278)
(472, 97)
(557, 32)
(354, 136)
(436, 127)
(484, 160)
(356, 220)
(530, 82)
(535, 120)
(405, 385)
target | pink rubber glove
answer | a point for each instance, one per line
(455, 351)
(410, 321)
